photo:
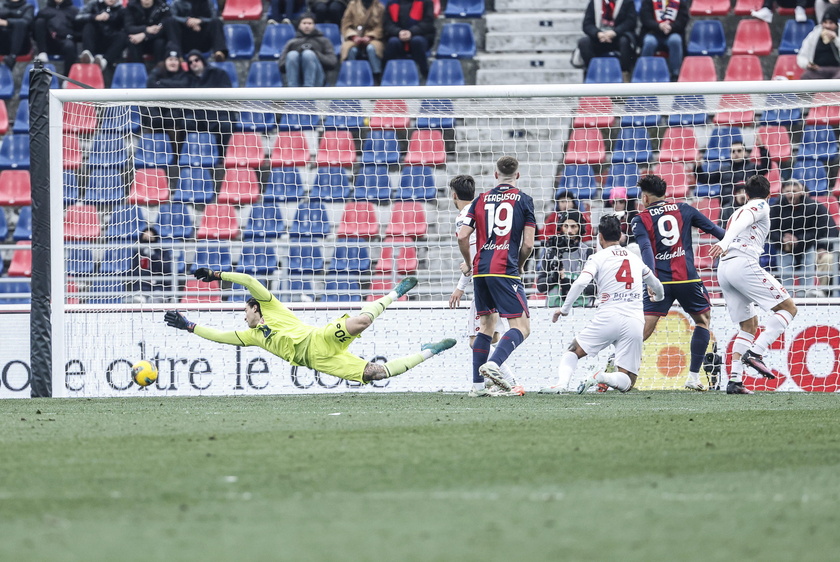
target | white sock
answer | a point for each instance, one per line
(617, 380)
(507, 373)
(478, 386)
(568, 364)
(693, 377)
(737, 370)
(742, 342)
(773, 328)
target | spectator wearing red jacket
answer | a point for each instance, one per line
(410, 31)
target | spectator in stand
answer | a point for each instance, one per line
(144, 24)
(54, 31)
(766, 11)
(735, 171)
(410, 31)
(328, 11)
(169, 73)
(663, 28)
(216, 121)
(739, 197)
(154, 264)
(284, 11)
(563, 257)
(306, 58)
(166, 74)
(818, 55)
(16, 17)
(361, 28)
(609, 26)
(820, 7)
(800, 228)
(196, 25)
(564, 200)
(624, 208)
(103, 33)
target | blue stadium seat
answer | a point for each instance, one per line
(274, 39)
(651, 69)
(264, 222)
(212, 255)
(622, 175)
(117, 261)
(331, 184)
(351, 256)
(257, 260)
(604, 70)
(401, 72)
(703, 190)
(774, 114)
(343, 122)
(311, 219)
(126, 223)
(119, 120)
(105, 186)
(200, 150)
(354, 73)
(78, 259)
(818, 142)
(264, 74)
(464, 9)
(381, 147)
(154, 151)
(23, 93)
(240, 41)
(445, 72)
(338, 289)
(174, 222)
(813, 176)
(4, 231)
(21, 125)
(372, 183)
(717, 149)
(230, 68)
(7, 84)
(579, 179)
(255, 122)
(15, 292)
(284, 184)
(632, 145)
(71, 187)
(299, 290)
(331, 32)
(644, 112)
(417, 183)
(23, 228)
(195, 185)
(129, 75)
(302, 116)
(793, 35)
(687, 110)
(305, 260)
(436, 120)
(108, 149)
(14, 152)
(456, 41)
(106, 292)
(707, 38)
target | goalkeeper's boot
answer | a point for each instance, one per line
(438, 347)
(491, 371)
(405, 286)
(737, 388)
(587, 383)
(756, 361)
(691, 384)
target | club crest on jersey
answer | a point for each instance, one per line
(265, 330)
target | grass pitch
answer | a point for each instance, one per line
(642, 476)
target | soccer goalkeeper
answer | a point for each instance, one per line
(275, 328)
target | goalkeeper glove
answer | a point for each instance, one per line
(177, 320)
(208, 275)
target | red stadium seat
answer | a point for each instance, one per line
(702, 260)
(240, 187)
(71, 289)
(742, 68)
(337, 148)
(746, 7)
(21, 265)
(679, 145)
(710, 7)
(290, 150)
(774, 176)
(79, 118)
(710, 207)
(426, 148)
(71, 152)
(90, 74)
(242, 10)
(678, 179)
(4, 118)
(245, 150)
(219, 222)
(15, 188)
(732, 112)
(752, 37)
(199, 292)
(401, 257)
(786, 66)
(358, 221)
(408, 218)
(829, 201)
(826, 111)
(698, 69)
(150, 187)
(586, 146)
(777, 141)
(81, 222)
(381, 286)
(390, 114)
(809, 11)
(595, 113)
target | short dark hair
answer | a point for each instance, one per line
(464, 186)
(757, 187)
(507, 165)
(254, 302)
(653, 184)
(306, 16)
(610, 228)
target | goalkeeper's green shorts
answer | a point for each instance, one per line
(327, 352)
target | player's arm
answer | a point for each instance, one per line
(177, 320)
(701, 221)
(640, 233)
(740, 221)
(654, 285)
(526, 247)
(575, 291)
(257, 289)
(464, 245)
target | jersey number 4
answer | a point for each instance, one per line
(625, 275)
(499, 218)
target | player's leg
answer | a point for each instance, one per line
(743, 341)
(502, 326)
(512, 304)
(486, 311)
(656, 310)
(628, 337)
(774, 327)
(732, 275)
(694, 299)
(567, 367)
(651, 321)
(371, 311)
(394, 367)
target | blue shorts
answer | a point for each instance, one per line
(504, 295)
(693, 298)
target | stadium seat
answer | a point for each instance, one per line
(704, 190)
(717, 149)
(746, 7)
(825, 112)
(310, 219)
(777, 141)
(255, 122)
(742, 68)
(339, 289)
(78, 259)
(372, 183)
(643, 111)
(417, 183)
(735, 110)
(264, 223)
(698, 69)
(229, 67)
(381, 286)
(240, 186)
(354, 73)
(594, 112)
(4, 118)
(604, 70)
(622, 175)
(456, 41)
(195, 185)
(786, 66)
(174, 222)
(819, 143)
(632, 145)
(199, 292)
(106, 292)
(274, 39)
(105, 186)
(15, 293)
(79, 118)
(358, 221)
(14, 152)
(212, 255)
(7, 84)
(381, 147)
(90, 74)
(242, 10)
(70, 183)
(154, 151)
(710, 207)
(126, 223)
(793, 35)
(23, 228)
(706, 38)
(4, 231)
(426, 148)
(305, 260)
(332, 183)
(199, 151)
(677, 177)
(344, 114)
(107, 149)
(302, 116)
(290, 149)
(350, 256)
(578, 179)
(21, 123)
(408, 218)
(81, 223)
(435, 114)
(71, 152)
(828, 201)
(812, 174)
(651, 69)
(401, 72)
(21, 264)
(586, 146)
(117, 261)
(400, 258)
(15, 189)
(333, 33)
(244, 150)
(129, 75)
(710, 7)
(259, 260)
(120, 120)
(389, 114)
(264, 74)
(150, 187)
(23, 93)
(464, 9)
(445, 72)
(752, 37)
(778, 111)
(240, 41)
(679, 145)
(284, 184)
(336, 148)
(220, 222)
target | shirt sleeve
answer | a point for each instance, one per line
(701, 221)
(576, 290)
(740, 221)
(231, 338)
(257, 289)
(643, 240)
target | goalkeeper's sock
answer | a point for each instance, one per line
(568, 364)
(699, 343)
(773, 328)
(402, 364)
(377, 307)
(480, 353)
(510, 341)
(617, 380)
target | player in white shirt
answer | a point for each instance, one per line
(745, 284)
(619, 320)
(462, 189)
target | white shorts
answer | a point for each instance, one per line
(473, 323)
(625, 332)
(745, 284)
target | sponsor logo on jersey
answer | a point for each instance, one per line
(665, 256)
(491, 246)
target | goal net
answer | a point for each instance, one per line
(331, 199)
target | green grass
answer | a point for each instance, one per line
(642, 476)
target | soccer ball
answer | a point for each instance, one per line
(144, 373)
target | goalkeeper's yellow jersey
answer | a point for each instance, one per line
(283, 334)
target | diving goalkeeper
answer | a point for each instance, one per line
(275, 328)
